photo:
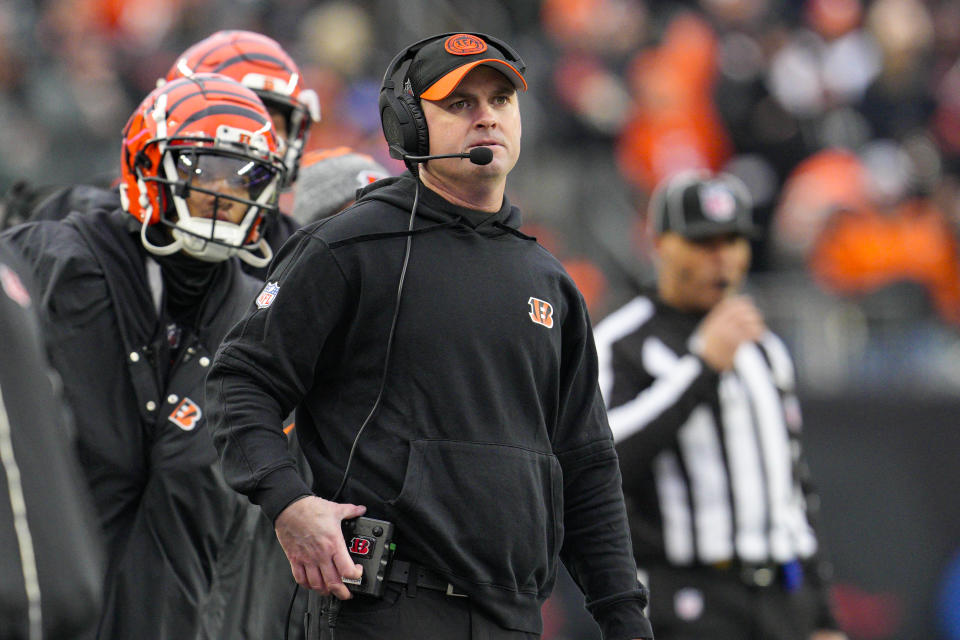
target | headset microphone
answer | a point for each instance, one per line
(481, 155)
(477, 155)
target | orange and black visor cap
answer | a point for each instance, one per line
(440, 66)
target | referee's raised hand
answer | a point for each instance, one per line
(310, 534)
(730, 323)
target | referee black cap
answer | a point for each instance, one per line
(699, 205)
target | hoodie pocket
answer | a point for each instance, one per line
(487, 513)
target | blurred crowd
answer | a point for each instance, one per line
(842, 117)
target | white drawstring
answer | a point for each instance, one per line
(21, 526)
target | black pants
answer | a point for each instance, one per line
(400, 616)
(712, 604)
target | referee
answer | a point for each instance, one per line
(702, 405)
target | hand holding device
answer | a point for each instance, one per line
(310, 534)
(370, 544)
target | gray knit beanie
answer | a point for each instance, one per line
(329, 180)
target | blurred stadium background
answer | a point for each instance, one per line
(842, 116)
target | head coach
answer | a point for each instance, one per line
(442, 370)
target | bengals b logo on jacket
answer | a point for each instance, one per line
(541, 312)
(186, 415)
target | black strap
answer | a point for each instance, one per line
(415, 576)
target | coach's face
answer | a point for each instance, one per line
(694, 275)
(482, 111)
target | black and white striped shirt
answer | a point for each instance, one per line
(711, 462)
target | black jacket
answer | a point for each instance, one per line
(167, 517)
(490, 450)
(50, 555)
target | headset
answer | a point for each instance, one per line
(404, 125)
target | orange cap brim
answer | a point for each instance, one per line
(445, 85)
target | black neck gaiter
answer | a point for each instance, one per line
(186, 283)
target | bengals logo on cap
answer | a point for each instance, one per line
(464, 44)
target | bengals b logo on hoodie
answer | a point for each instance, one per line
(186, 415)
(541, 312)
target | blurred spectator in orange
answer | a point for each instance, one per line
(675, 125)
(855, 222)
(601, 26)
(826, 181)
(864, 250)
(143, 21)
(833, 18)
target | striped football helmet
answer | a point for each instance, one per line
(259, 63)
(200, 158)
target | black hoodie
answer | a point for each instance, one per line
(490, 450)
(170, 526)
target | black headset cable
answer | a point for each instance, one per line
(376, 403)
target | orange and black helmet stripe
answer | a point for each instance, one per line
(210, 88)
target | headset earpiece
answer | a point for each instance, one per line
(404, 125)
(419, 133)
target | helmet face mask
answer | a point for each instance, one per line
(217, 198)
(260, 64)
(200, 158)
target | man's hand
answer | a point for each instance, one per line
(733, 321)
(309, 532)
(828, 635)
